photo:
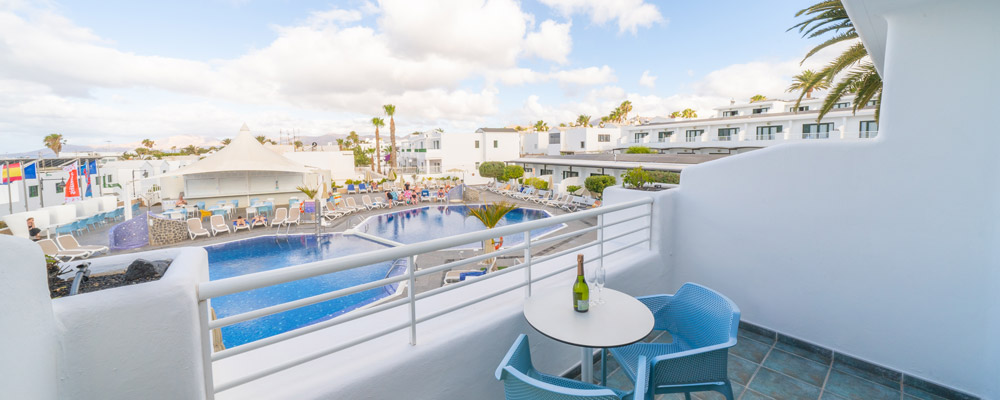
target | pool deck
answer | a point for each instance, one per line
(423, 283)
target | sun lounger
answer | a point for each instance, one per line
(378, 202)
(280, 215)
(69, 243)
(353, 204)
(50, 249)
(425, 195)
(218, 224)
(195, 229)
(366, 201)
(293, 217)
(397, 200)
(237, 227)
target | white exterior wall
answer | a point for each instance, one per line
(338, 164)
(863, 247)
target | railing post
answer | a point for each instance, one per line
(527, 263)
(205, 315)
(600, 240)
(411, 292)
(649, 233)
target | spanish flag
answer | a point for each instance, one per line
(12, 173)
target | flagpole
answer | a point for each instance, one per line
(10, 201)
(24, 186)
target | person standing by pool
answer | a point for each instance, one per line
(34, 233)
(388, 198)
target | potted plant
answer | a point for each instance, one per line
(491, 215)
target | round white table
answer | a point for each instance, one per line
(620, 321)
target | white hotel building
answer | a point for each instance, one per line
(574, 140)
(448, 153)
(738, 128)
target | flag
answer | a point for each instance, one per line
(12, 173)
(31, 171)
(92, 167)
(89, 193)
(72, 188)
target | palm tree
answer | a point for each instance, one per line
(190, 149)
(491, 215)
(261, 139)
(54, 142)
(226, 141)
(541, 126)
(147, 143)
(625, 108)
(804, 82)
(390, 111)
(298, 144)
(862, 79)
(758, 97)
(686, 113)
(378, 122)
(583, 120)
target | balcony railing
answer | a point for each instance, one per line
(867, 134)
(223, 287)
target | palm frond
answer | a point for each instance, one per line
(830, 42)
(491, 215)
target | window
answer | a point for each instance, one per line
(60, 186)
(436, 144)
(817, 131)
(107, 178)
(554, 138)
(477, 144)
(33, 191)
(842, 105)
(495, 144)
(583, 144)
(767, 132)
(604, 138)
(477, 166)
(761, 110)
(694, 134)
(732, 113)
(728, 134)
(543, 172)
(664, 136)
(868, 129)
(570, 174)
(639, 136)
(793, 109)
(595, 174)
(872, 103)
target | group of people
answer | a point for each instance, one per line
(413, 195)
(259, 219)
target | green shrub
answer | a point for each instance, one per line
(512, 172)
(639, 150)
(572, 188)
(636, 178)
(664, 177)
(596, 184)
(491, 169)
(537, 183)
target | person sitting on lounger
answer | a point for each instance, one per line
(240, 221)
(441, 194)
(259, 219)
(180, 201)
(34, 233)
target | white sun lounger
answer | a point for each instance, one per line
(195, 229)
(218, 224)
(50, 249)
(69, 243)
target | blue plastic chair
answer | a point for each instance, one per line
(522, 381)
(200, 204)
(236, 203)
(363, 188)
(65, 229)
(350, 189)
(703, 324)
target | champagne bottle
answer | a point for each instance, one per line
(581, 293)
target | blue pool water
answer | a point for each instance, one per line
(420, 224)
(271, 252)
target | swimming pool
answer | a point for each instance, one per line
(425, 223)
(271, 252)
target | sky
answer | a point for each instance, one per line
(192, 72)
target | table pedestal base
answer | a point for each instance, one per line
(587, 365)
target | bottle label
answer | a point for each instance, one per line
(582, 305)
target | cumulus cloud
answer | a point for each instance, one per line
(630, 15)
(551, 42)
(647, 80)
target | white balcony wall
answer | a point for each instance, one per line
(864, 247)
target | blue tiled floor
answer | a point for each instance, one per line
(762, 369)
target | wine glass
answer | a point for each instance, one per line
(600, 276)
(590, 274)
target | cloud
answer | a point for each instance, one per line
(629, 14)
(551, 42)
(647, 80)
(585, 76)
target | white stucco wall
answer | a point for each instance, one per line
(887, 249)
(134, 342)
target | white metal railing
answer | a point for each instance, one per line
(867, 134)
(223, 287)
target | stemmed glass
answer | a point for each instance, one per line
(600, 280)
(590, 274)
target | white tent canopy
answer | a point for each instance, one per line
(244, 153)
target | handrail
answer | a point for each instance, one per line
(222, 287)
(212, 289)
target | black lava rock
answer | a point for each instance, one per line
(143, 270)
